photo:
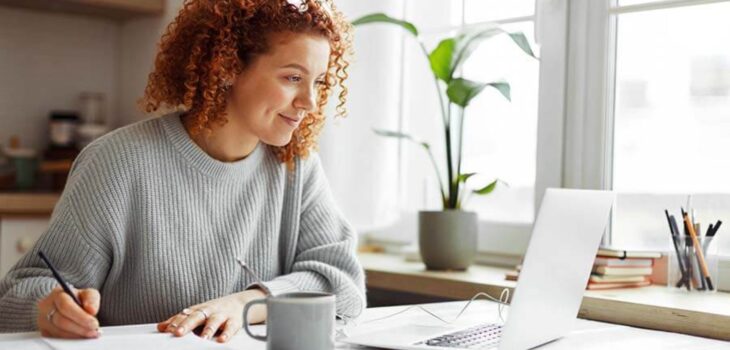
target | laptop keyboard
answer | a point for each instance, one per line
(478, 337)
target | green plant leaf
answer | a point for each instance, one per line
(441, 59)
(463, 177)
(504, 88)
(427, 147)
(383, 18)
(486, 189)
(522, 42)
(470, 39)
(461, 91)
(400, 135)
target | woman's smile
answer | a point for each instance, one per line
(292, 121)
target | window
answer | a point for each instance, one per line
(657, 91)
(671, 119)
(672, 109)
(500, 137)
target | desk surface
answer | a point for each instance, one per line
(586, 334)
(654, 307)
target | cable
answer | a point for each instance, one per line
(502, 301)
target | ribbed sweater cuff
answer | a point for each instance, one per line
(277, 287)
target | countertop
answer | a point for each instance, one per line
(654, 307)
(28, 203)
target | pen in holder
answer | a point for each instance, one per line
(694, 264)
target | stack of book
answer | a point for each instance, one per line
(615, 268)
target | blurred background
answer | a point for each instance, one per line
(630, 95)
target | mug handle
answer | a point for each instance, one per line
(245, 319)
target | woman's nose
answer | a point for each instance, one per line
(306, 100)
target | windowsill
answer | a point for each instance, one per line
(654, 307)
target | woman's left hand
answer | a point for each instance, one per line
(224, 313)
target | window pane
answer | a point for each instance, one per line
(492, 10)
(672, 121)
(500, 137)
(672, 114)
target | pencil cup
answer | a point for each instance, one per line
(688, 274)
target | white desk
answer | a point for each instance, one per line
(586, 335)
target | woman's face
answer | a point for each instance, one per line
(270, 98)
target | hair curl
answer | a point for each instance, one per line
(212, 41)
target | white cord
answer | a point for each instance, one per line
(502, 301)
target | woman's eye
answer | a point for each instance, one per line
(294, 78)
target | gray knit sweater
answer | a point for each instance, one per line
(156, 225)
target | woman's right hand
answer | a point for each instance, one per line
(60, 317)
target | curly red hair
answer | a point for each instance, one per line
(212, 41)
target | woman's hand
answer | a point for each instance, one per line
(60, 317)
(224, 314)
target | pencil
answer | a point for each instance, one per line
(59, 279)
(698, 250)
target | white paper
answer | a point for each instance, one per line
(139, 341)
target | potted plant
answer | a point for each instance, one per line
(448, 238)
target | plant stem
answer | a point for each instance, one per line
(446, 120)
(438, 174)
(449, 163)
(462, 112)
(436, 82)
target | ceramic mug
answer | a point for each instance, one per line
(296, 321)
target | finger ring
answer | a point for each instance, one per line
(186, 312)
(203, 312)
(49, 315)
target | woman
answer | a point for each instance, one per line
(154, 215)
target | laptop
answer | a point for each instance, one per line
(555, 271)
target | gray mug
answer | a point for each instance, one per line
(297, 321)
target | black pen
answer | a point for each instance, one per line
(717, 226)
(58, 277)
(675, 241)
(710, 235)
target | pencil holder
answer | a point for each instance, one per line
(689, 275)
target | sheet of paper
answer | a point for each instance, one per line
(138, 341)
(28, 344)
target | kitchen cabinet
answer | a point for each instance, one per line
(116, 9)
(18, 233)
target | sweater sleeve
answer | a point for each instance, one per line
(326, 259)
(82, 263)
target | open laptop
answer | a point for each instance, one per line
(555, 271)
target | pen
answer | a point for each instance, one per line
(58, 277)
(698, 249)
(716, 227)
(676, 243)
(709, 236)
(251, 271)
(683, 248)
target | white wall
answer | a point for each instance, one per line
(46, 61)
(139, 39)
